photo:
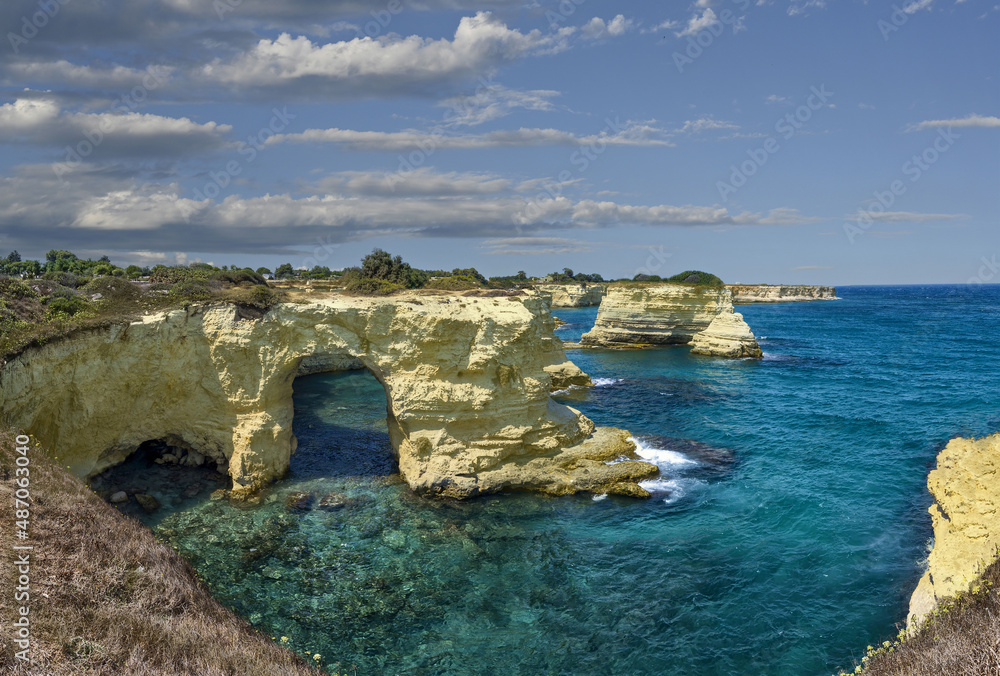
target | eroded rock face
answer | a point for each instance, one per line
(575, 295)
(643, 315)
(465, 379)
(780, 293)
(727, 336)
(966, 519)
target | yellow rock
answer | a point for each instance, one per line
(643, 315)
(467, 384)
(780, 293)
(966, 519)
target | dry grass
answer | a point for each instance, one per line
(108, 598)
(962, 638)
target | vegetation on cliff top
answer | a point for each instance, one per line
(696, 277)
(960, 638)
(107, 598)
(61, 301)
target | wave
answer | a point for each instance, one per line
(605, 382)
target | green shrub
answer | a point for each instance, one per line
(366, 286)
(66, 306)
(696, 277)
(15, 288)
(257, 297)
(113, 289)
(238, 277)
(63, 279)
(194, 289)
(454, 283)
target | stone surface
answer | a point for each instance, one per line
(780, 293)
(332, 501)
(966, 518)
(298, 501)
(649, 314)
(574, 295)
(467, 385)
(147, 502)
(727, 336)
(119, 497)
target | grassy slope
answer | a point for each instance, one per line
(961, 638)
(93, 611)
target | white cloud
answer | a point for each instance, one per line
(774, 98)
(632, 134)
(905, 216)
(387, 63)
(706, 124)
(917, 5)
(972, 120)
(495, 102)
(599, 28)
(698, 23)
(42, 121)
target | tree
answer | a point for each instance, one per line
(284, 271)
(384, 266)
(521, 277)
(133, 272)
(568, 272)
(263, 271)
(14, 257)
(104, 259)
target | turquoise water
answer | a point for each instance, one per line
(786, 533)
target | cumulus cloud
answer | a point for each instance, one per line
(494, 102)
(631, 134)
(699, 22)
(972, 120)
(387, 64)
(44, 122)
(706, 124)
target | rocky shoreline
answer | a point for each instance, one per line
(653, 314)
(467, 382)
(966, 490)
(780, 293)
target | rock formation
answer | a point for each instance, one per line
(966, 518)
(467, 384)
(727, 336)
(643, 315)
(574, 295)
(779, 293)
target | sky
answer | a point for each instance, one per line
(766, 141)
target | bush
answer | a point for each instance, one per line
(696, 277)
(66, 306)
(195, 289)
(63, 279)
(114, 289)
(239, 277)
(257, 297)
(15, 288)
(454, 283)
(366, 286)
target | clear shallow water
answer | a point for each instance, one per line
(785, 535)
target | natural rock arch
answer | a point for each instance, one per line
(466, 384)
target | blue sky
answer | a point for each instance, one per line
(802, 141)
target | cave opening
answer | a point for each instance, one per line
(161, 475)
(340, 423)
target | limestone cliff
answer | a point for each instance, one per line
(966, 518)
(466, 384)
(780, 293)
(642, 315)
(574, 295)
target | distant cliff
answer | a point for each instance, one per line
(467, 382)
(966, 517)
(650, 314)
(779, 293)
(574, 295)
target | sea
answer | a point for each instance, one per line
(785, 534)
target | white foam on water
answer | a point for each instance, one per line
(598, 498)
(663, 458)
(604, 382)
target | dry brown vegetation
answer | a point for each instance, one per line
(108, 598)
(961, 638)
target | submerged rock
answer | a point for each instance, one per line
(333, 501)
(119, 497)
(298, 501)
(147, 502)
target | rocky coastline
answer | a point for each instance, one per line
(780, 293)
(652, 314)
(467, 382)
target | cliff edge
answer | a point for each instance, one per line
(780, 293)
(467, 382)
(966, 518)
(574, 295)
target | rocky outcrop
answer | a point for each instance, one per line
(727, 336)
(780, 293)
(574, 295)
(966, 518)
(643, 315)
(467, 384)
